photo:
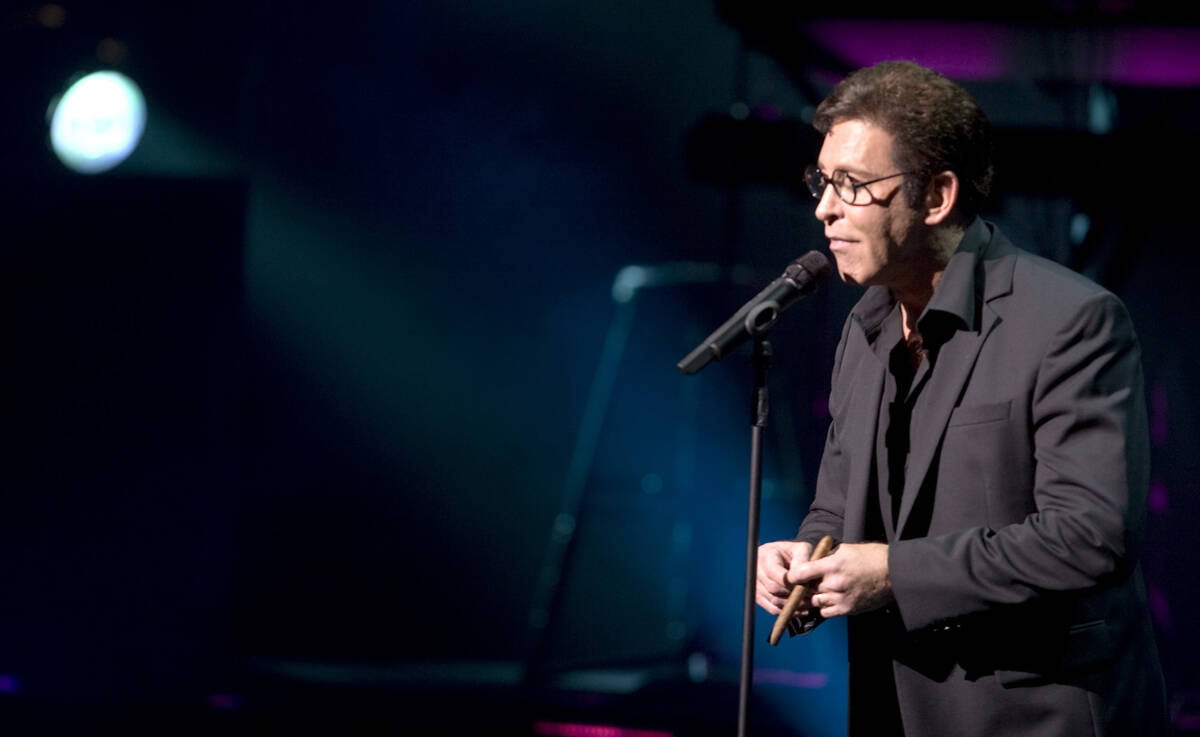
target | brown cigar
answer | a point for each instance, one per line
(799, 593)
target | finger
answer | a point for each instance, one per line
(776, 577)
(773, 578)
(774, 564)
(773, 589)
(799, 557)
(765, 596)
(828, 604)
(811, 571)
(769, 605)
(774, 585)
(776, 602)
(834, 583)
(803, 573)
(807, 572)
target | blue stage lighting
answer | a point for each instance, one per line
(98, 122)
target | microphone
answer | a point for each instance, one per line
(800, 278)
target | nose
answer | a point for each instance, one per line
(829, 205)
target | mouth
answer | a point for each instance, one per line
(838, 243)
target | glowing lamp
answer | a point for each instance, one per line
(98, 122)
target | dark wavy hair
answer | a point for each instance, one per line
(936, 125)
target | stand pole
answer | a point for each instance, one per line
(762, 362)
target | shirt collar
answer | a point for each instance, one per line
(955, 295)
(955, 298)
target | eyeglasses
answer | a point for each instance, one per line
(846, 187)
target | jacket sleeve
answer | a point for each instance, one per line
(827, 512)
(1091, 457)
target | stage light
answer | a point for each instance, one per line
(52, 16)
(566, 729)
(97, 122)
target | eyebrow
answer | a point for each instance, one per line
(859, 174)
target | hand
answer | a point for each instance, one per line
(851, 580)
(774, 561)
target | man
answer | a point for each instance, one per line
(986, 464)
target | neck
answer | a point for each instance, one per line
(926, 272)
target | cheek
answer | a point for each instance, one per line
(878, 254)
(871, 231)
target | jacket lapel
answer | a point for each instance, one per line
(954, 364)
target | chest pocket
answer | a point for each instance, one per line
(978, 414)
(983, 459)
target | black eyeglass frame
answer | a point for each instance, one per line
(816, 181)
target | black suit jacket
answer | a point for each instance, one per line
(1019, 607)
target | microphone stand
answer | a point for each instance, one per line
(754, 320)
(761, 360)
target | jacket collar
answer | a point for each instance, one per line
(961, 291)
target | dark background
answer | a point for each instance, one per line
(333, 408)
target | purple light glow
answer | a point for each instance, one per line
(1167, 57)
(1158, 430)
(1158, 416)
(959, 50)
(222, 701)
(1188, 721)
(1159, 607)
(9, 684)
(790, 678)
(565, 729)
(1158, 399)
(1157, 499)
(1153, 57)
(768, 111)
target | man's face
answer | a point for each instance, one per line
(870, 242)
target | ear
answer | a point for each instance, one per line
(941, 197)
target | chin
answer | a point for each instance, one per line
(858, 276)
(842, 273)
(847, 276)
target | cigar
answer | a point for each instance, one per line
(799, 593)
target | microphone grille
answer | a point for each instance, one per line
(809, 271)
